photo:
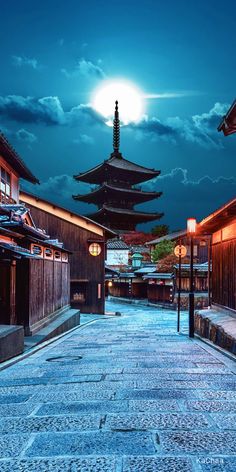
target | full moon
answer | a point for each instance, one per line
(128, 96)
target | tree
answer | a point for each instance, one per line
(167, 263)
(137, 238)
(160, 230)
(162, 249)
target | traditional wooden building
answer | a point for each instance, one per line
(116, 192)
(221, 225)
(87, 242)
(160, 288)
(34, 271)
(219, 323)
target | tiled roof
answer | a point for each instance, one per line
(116, 244)
(168, 237)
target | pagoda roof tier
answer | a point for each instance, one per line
(106, 191)
(132, 217)
(117, 168)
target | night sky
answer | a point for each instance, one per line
(54, 54)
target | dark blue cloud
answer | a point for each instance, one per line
(197, 129)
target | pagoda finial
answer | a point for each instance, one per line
(116, 129)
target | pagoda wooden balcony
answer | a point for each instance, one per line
(6, 200)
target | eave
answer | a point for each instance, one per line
(14, 160)
(228, 123)
(106, 189)
(135, 216)
(220, 218)
(117, 166)
(65, 214)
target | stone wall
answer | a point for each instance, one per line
(217, 326)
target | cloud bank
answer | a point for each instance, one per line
(200, 197)
(197, 129)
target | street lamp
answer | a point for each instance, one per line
(191, 230)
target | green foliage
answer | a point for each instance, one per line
(163, 249)
(160, 230)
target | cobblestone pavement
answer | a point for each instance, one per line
(121, 394)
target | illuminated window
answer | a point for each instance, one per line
(5, 183)
(37, 250)
(57, 255)
(95, 249)
(48, 253)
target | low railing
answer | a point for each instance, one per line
(6, 200)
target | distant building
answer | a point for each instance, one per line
(200, 250)
(116, 192)
(117, 253)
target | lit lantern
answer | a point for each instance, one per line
(110, 283)
(137, 260)
(95, 249)
(191, 225)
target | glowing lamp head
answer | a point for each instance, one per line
(191, 225)
(95, 249)
(110, 283)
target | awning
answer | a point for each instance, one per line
(159, 276)
(13, 250)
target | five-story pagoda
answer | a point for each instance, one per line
(116, 192)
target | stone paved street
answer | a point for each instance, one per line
(120, 394)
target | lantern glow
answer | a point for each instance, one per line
(95, 249)
(191, 225)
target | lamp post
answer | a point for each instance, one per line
(191, 230)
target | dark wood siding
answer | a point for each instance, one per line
(224, 274)
(85, 268)
(39, 291)
(159, 293)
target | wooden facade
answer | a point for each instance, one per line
(38, 302)
(222, 226)
(87, 277)
(34, 273)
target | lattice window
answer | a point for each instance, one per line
(5, 182)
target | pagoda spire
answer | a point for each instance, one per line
(116, 129)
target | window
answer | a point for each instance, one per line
(5, 184)
(37, 250)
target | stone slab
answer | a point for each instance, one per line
(49, 423)
(197, 442)
(77, 408)
(11, 341)
(80, 464)
(63, 322)
(157, 464)
(48, 444)
(11, 445)
(210, 406)
(157, 421)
